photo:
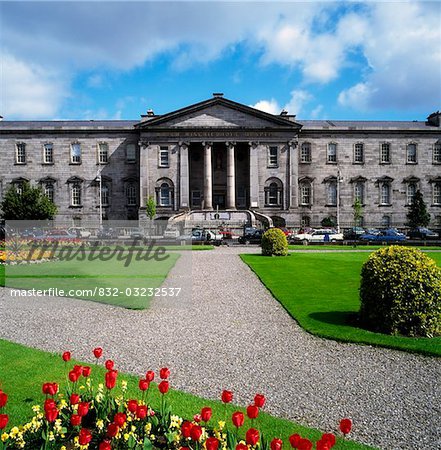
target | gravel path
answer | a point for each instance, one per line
(226, 331)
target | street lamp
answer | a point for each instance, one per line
(339, 180)
(100, 181)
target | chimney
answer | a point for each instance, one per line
(284, 112)
(218, 94)
(434, 119)
(150, 112)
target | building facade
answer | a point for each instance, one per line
(224, 156)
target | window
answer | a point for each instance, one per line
(196, 198)
(359, 153)
(436, 187)
(103, 153)
(331, 193)
(385, 194)
(130, 153)
(105, 195)
(386, 222)
(19, 188)
(332, 153)
(305, 153)
(359, 191)
(48, 153)
(49, 191)
(163, 156)
(411, 154)
(305, 194)
(385, 153)
(305, 221)
(437, 153)
(272, 156)
(131, 194)
(272, 197)
(165, 195)
(75, 153)
(410, 193)
(75, 194)
(20, 155)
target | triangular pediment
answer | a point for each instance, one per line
(220, 113)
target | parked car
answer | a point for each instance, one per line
(56, 235)
(286, 232)
(390, 235)
(106, 233)
(321, 235)
(80, 232)
(422, 233)
(251, 236)
(354, 233)
(202, 236)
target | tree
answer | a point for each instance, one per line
(150, 208)
(358, 212)
(30, 204)
(328, 222)
(418, 215)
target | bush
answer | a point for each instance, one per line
(400, 293)
(274, 243)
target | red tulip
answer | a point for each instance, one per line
(252, 437)
(211, 443)
(66, 356)
(74, 399)
(252, 411)
(73, 376)
(197, 418)
(132, 405)
(329, 438)
(86, 371)
(238, 419)
(105, 445)
(150, 375)
(186, 429)
(345, 426)
(83, 409)
(141, 411)
(241, 447)
(196, 432)
(109, 364)
(163, 387)
(322, 445)
(52, 414)
(206, 414)
(164, 373)
(98, 352)
(49, 403)
(50, 388)
(304, 444)
(3, 421)
(112, 430)
(227, 396)
(294, 440)
(144, 385)
(276, 444)
(259, 400)
(120, 419)
(84, 437)
(78, 370)
(75, 420)
(111, 376)
(3, 399)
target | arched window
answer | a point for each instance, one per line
(164, 192)
(49, 191)
(131, 194)
(105, 195)
(273, 192)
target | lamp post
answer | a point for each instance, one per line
(100, 181)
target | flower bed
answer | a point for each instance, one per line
(90, 415)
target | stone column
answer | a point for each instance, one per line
(293, 174)
(254, 175)
(208, 181)
(144, 182)
(184, 181)
(231, 176)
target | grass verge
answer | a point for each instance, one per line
(23, 371)
(320, 291)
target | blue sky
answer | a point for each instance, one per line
(114, 60)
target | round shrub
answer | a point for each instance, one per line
(400, 293)
(274, 243)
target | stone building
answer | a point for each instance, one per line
(219, 156)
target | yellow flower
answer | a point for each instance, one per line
(4, 437)
(100, 424)
(36, 408)
(221, 424)
(148, 427)
(126, 436)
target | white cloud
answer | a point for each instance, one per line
(28, 90)
(297, 102)
(269, 106)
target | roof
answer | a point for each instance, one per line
(67, 125)
(365, 125)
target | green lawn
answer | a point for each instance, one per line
(350, 247)
(320, 291)
(24, 370)
(124, 281)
